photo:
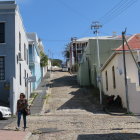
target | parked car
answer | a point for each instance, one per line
(5, 112)
(64, 68)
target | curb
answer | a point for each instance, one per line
(115, 114)
(48, 92)
(43, 107)
(29, 134)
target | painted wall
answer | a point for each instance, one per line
(106, 49)
(7, 50)
(13, 21)
(35, 65)
(133, 80)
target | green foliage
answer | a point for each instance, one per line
(56, 62)
(66, 52)
(44, 59)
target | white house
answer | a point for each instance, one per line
(14, 59)
(113, 74)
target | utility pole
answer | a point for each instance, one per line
(125, 73)
(96, 25)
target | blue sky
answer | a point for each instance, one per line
(56, 21)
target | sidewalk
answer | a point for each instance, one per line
(42, 92)
(14, 135)
(8, 132)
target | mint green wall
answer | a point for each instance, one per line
(88, 71)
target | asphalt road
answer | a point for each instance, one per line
(5, 122)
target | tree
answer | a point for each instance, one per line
(56, 62)
(66, 52)
(44, 59)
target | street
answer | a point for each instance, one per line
(5, 122)
(70, 115)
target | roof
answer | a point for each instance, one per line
(8, 5)
(100, 37)
(7, 2)
(134, 43)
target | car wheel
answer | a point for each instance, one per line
(1, 116)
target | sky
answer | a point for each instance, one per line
(56, 21)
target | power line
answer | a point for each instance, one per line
(84, 17)
(117, 10)
(54, 40)
(117, 5)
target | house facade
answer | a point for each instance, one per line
(113, 75)
(34, 58)
(89, 63)
(14, 58)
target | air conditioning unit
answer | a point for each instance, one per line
(20, 57)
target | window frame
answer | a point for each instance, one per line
(106, 79)
(3, 69)
(20, 41)
(20, 75)
(3, 33)
(114, 77)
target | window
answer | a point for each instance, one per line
(20, 74)
(24, 52)
(2, 68)
(106, 77)
(19, 41)
(27, 57)
(25, 78)
(114, 79)
(2, 32)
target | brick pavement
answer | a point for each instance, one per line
(14, 135)
(69, 115)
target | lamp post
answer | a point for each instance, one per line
(96, 26)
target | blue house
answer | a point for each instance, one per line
(34, 58)
(14, 62)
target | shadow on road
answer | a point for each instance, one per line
(83, 101)
(111, 136)
(83, 98)
(70, 81)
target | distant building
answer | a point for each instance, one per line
(113, 74)
(76, 49)
(14, 59)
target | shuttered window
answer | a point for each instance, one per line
(2, 32)
(2, 68)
